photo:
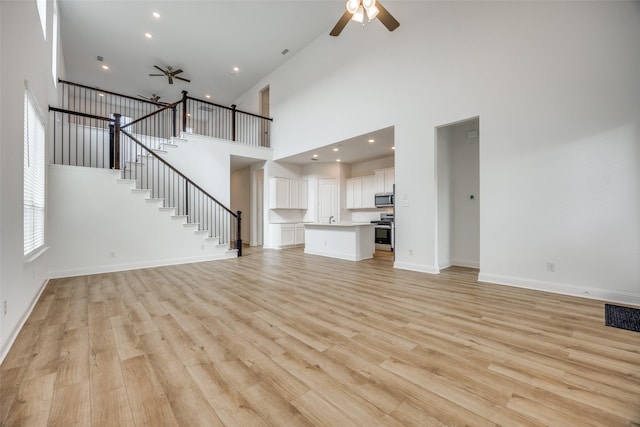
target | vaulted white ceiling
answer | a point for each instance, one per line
(204, 38)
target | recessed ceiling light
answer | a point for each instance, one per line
(315, 155)
(336, 149)
(105, 67)
(148, 35)
(207, 96)
(156, 15)
(393, 148)
(371, 141)
(337, 160)
(236, 69)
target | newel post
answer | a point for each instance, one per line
(239, 234)
(184, 111)
(174, 124)
(114, 157)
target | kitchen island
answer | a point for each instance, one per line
(350, 241)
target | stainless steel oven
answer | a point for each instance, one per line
(384, 229)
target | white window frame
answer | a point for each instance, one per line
(42, 13)
(54, 43)
(34, 202)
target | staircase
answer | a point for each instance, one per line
(135, 149)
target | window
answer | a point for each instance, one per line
(42, 12)
(34, 171)
(54, 47)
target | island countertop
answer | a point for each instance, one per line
(353, 241)
(337, 224)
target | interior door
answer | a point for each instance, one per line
(327, 200)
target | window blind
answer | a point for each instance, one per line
(34, 175)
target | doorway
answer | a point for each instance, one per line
(257, 238)
(264, 112)
(458, 189)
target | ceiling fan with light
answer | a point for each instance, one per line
(170, 73)
(356, 10)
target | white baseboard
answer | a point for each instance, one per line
(6, 344)
(112, 268)
(421, 268)
(465, 263)
(561, 288)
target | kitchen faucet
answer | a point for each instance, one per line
(330, 219)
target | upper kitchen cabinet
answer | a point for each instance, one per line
(287, 193)
(361, 192)
(385, 178)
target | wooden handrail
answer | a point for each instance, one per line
(110, 92)
(170, 166)
(77, 113)
(229, 108)
(153, 113)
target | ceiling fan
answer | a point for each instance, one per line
(356, 10)
(153, 98)
(170, 73)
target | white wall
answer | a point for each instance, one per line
(368, 167)
(207, 162)
(99, 225)
(556, 85)
(26, 55)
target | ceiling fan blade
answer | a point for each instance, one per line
(170, 80)
(156, 74)
(163, 71)
(342, 22)
(178, 71)
(182, 78)
(385, 17)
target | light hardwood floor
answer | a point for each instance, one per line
(281, 338)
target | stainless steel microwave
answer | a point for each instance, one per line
(384, 200)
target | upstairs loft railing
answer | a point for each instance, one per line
(190, 115)
(91, 140)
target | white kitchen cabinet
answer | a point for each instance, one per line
(286, 193)
(299, 234)
(385, 178)
(287, 234)
(303, 194)
(369, 191)
(360, 192)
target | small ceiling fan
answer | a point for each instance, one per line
(170, 73)
(356, 11)
(153, 98)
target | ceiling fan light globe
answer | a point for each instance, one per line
(372, 12)
(352, 6)
(368, 3)
(359, 15)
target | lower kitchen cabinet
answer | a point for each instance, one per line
(287, 234)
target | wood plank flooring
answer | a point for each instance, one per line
(279, 338)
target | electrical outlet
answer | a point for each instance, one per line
(4, 307)
(551, 266)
